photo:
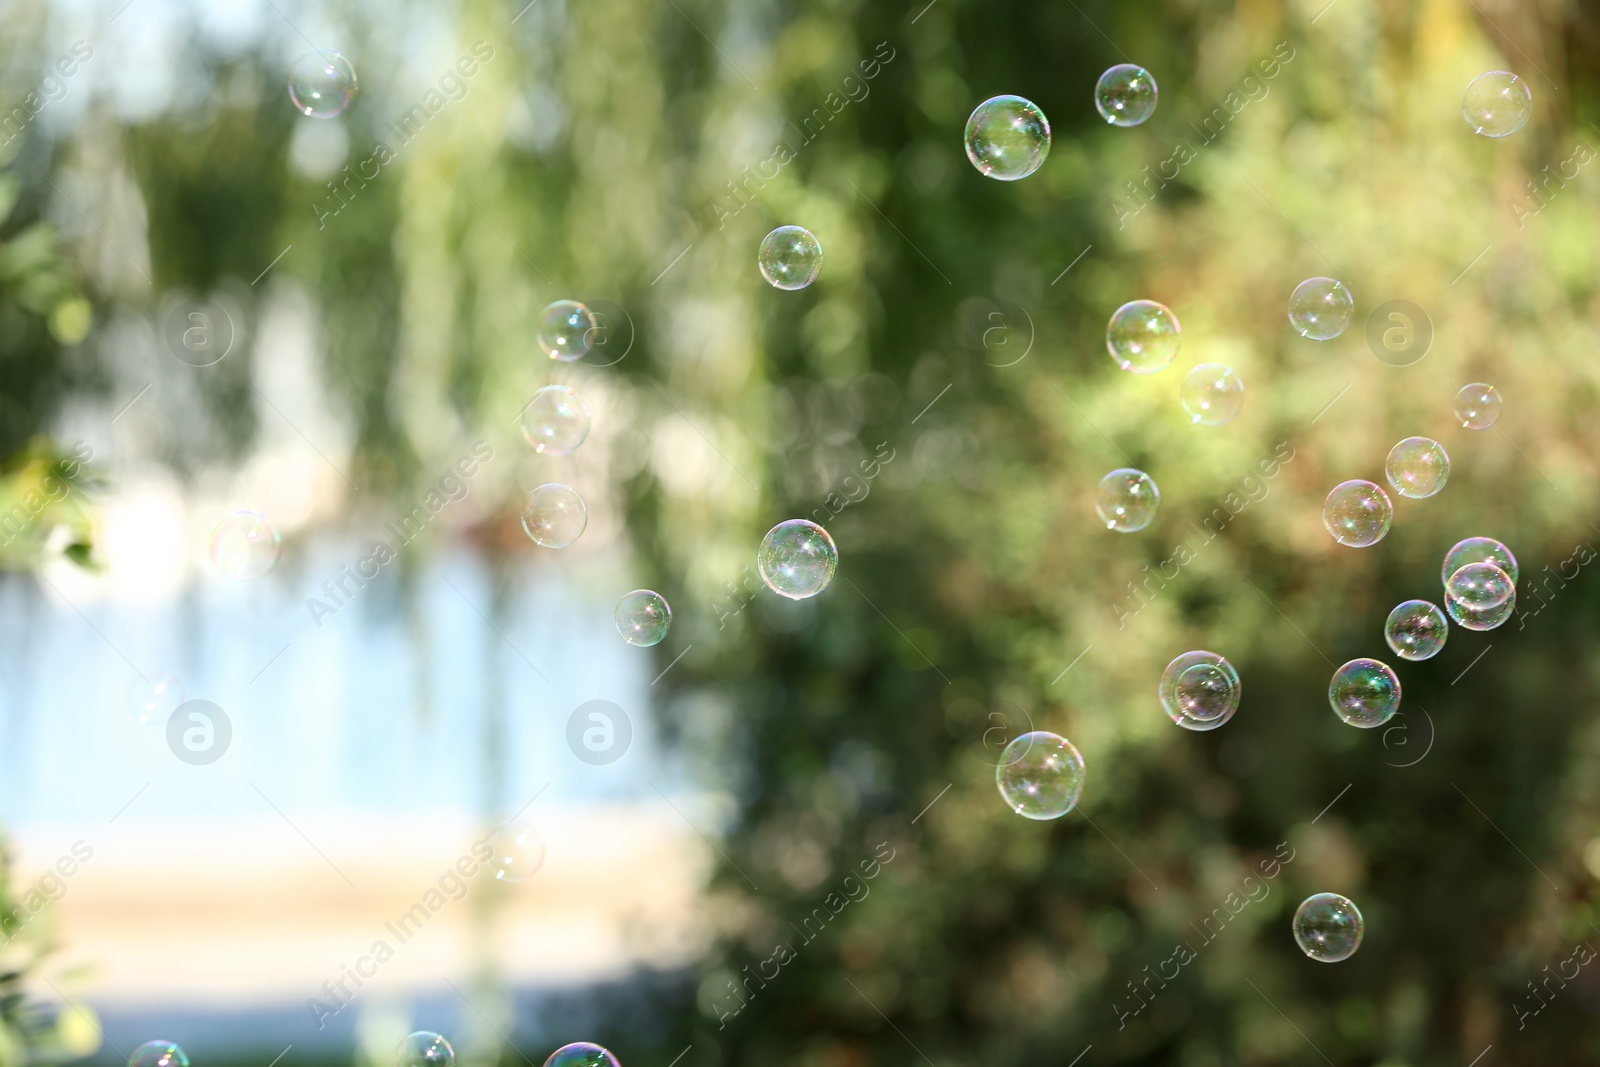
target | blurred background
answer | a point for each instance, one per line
(791, 850)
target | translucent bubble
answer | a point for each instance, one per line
(1364, 693)
(1143, 336)
(158, 1054)
(1478, 550)
(554, 515)
(518, 852)
(1127, 500)
(797, 559)
(1328, 928)
(1321, 308)
(1040, 775)
(1416, 630)
(1200, 690)
(1007, 137)
(643, 617)
(424, 1049)
(1478, 406)
(581, 1054)
(1497, 104)
(1470, 618)
(1357, 513)
(566, 330)
(556, 421)
(1479, 586)
(322, 84)
(156, 699)
(1417, 467)
(790, 257)
(1212, 394)
(1125, 95)
(244, 545)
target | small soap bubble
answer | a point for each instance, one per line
(1212, 394)
(1416, 630)
(556, 421)
(244, 545)
(1125, 95)
(790, 257)
(1040, 775)
(1127, 500)
(566, 330)
(1478, 406)
(1479, 586)
(1470, 618)
(1007, 138)
(1478, 550)
(158, 1054)
(424, 1049)
(1328, 927)
(517, 853)
(1321, 308)
(643, 617)
(1497, 104)
(1357, 513)
(1143, 336)
(1417, 467)
(554, 515)
(322, 84)
(155, 699)
(581, 1054)
(797, 559)
(1364, 693)
(1200, 690)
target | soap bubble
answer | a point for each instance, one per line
(1416, 630)
(581, 1054)
(154, 700)
(1126, 500)
(424, 1049)
(1478, 550)
(643, 617)
(322, 84)
(1417, 467)
(1007, 138)
(1479, 586)
(1470, 618)
(1040, 775)
(790, 257)
(1321, 308)
(1143, 336)
(1212, 394)
(1497, 104)
(1364, 693)
(797, 559)
(1357, 513)
(1478, 406)
(566, 330)
(1328, 928)
(158, 1054)
(1200, 690)
(554, 515)
(517, 853)
(244, 545)
(1125, 95)
(556, 421)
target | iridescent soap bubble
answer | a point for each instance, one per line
(1497, 104)
(581, 1054)
(1479, 586)
(1007, 137)
(790, 257)
(1417, 467)
(517, 852)
(1200, 690)
(160, 1053)
(244, 545)
(322, 84)
(155, 699)
(1125, 95)
(424, 1049)
(1364, 693)
(566, 330)
(556, 421)
(1478, 550)
(554, 515)
(1357, 513)
(1321, 308)
(1416, 630)
(797, 559)
(1127, 500)
(643, 617)
(1143, 336)
(1470, 618)
(1477, 406)
(1040, 775)
(1328, 928)
(1212, 394)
